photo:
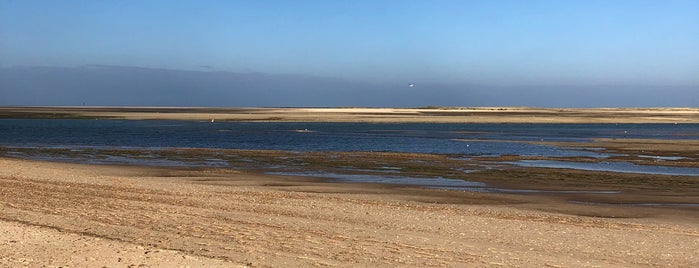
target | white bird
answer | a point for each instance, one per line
(411, 84)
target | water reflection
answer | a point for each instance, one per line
(623, 167)
(431, 182)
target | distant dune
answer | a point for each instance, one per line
(372, 115)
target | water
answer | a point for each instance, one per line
(636, 204)
(490, 139)
(622, 167)
(413, 137)
(662, 158)
(434, 183)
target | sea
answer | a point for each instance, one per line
(458, 140)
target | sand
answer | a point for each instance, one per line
(58, 214)
(72, 215)
(371, 115)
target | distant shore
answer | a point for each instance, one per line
(368, 115)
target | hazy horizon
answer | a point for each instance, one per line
(360, 53)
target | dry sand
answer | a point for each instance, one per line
(57, 214)
(373, 115)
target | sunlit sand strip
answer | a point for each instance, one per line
(370, 115)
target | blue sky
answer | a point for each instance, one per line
(501, 43)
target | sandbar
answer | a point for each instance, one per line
(369, 115)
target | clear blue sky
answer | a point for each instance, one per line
(609, 42)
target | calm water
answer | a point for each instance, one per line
(412, 137)
(435, 183)
(422, 138)
(622, 167)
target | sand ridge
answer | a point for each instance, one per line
(370, 115)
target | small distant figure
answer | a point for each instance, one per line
(411, 85)
(212, 120)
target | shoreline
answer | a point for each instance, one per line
(239, 215)
(369, 115)
(159, 216)
(504, 174)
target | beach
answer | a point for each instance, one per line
(281, 208)
(72, 215)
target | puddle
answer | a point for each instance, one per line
(657, 157)
(275, 167)
(463, 170)
(361, 178)
(433, 183)
(594, 148)
(531, 191)
(622, 167)
(637, 204)
(391, 168)
(370, 170)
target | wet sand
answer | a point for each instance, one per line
(652, 152)
(64, 214)
(372, 115)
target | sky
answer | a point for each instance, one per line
(518, 45)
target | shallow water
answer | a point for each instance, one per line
(623, 167)
(430, 182)
(637, 204)
(483, 140)
(662, 158)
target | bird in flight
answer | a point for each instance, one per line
(411, 84)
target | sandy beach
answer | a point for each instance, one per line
(72, 215)
(371, 115)
(78, 215)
